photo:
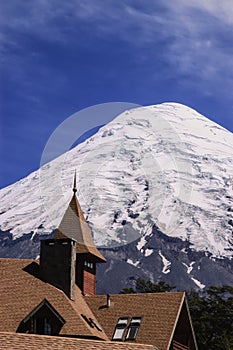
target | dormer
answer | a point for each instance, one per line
(43, 319)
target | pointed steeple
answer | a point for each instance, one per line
(73, 225)
(75, 187)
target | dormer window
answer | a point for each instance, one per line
(43, 319)
(120, 328)
(42, 326)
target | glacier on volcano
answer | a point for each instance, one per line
(164, 165)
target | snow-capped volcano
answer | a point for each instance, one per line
(164, 165)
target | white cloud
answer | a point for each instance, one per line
(223, 10)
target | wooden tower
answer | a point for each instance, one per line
(74, 226)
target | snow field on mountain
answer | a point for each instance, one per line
(164, 164)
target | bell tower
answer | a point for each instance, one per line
(74, 226)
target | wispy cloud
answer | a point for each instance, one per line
(203, 42)
(191, 36)
(58, 56)
(221, 10)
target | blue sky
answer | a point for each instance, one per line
(58, 57)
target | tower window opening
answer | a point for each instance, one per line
(88, 264)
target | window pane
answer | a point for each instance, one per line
(39, 326)
(136, 320)
(47, 327)
(118, 333)
(132, 332)
(122, 321)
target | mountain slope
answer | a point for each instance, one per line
(162, 168)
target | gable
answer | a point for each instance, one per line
(43, 319)
(184, 337)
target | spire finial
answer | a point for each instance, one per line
(75, 188)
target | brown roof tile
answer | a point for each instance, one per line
(159, 311)
(74, 225)
(12, 341)
(21, 291)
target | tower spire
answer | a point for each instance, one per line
(75, 187)
(74, 226)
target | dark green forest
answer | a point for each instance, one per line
(211, 312)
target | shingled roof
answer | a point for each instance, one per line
(12, 341)
(73, 225)
(159, 312)
(21, 291)
(85, 322)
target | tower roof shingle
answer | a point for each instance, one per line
(73, 225)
